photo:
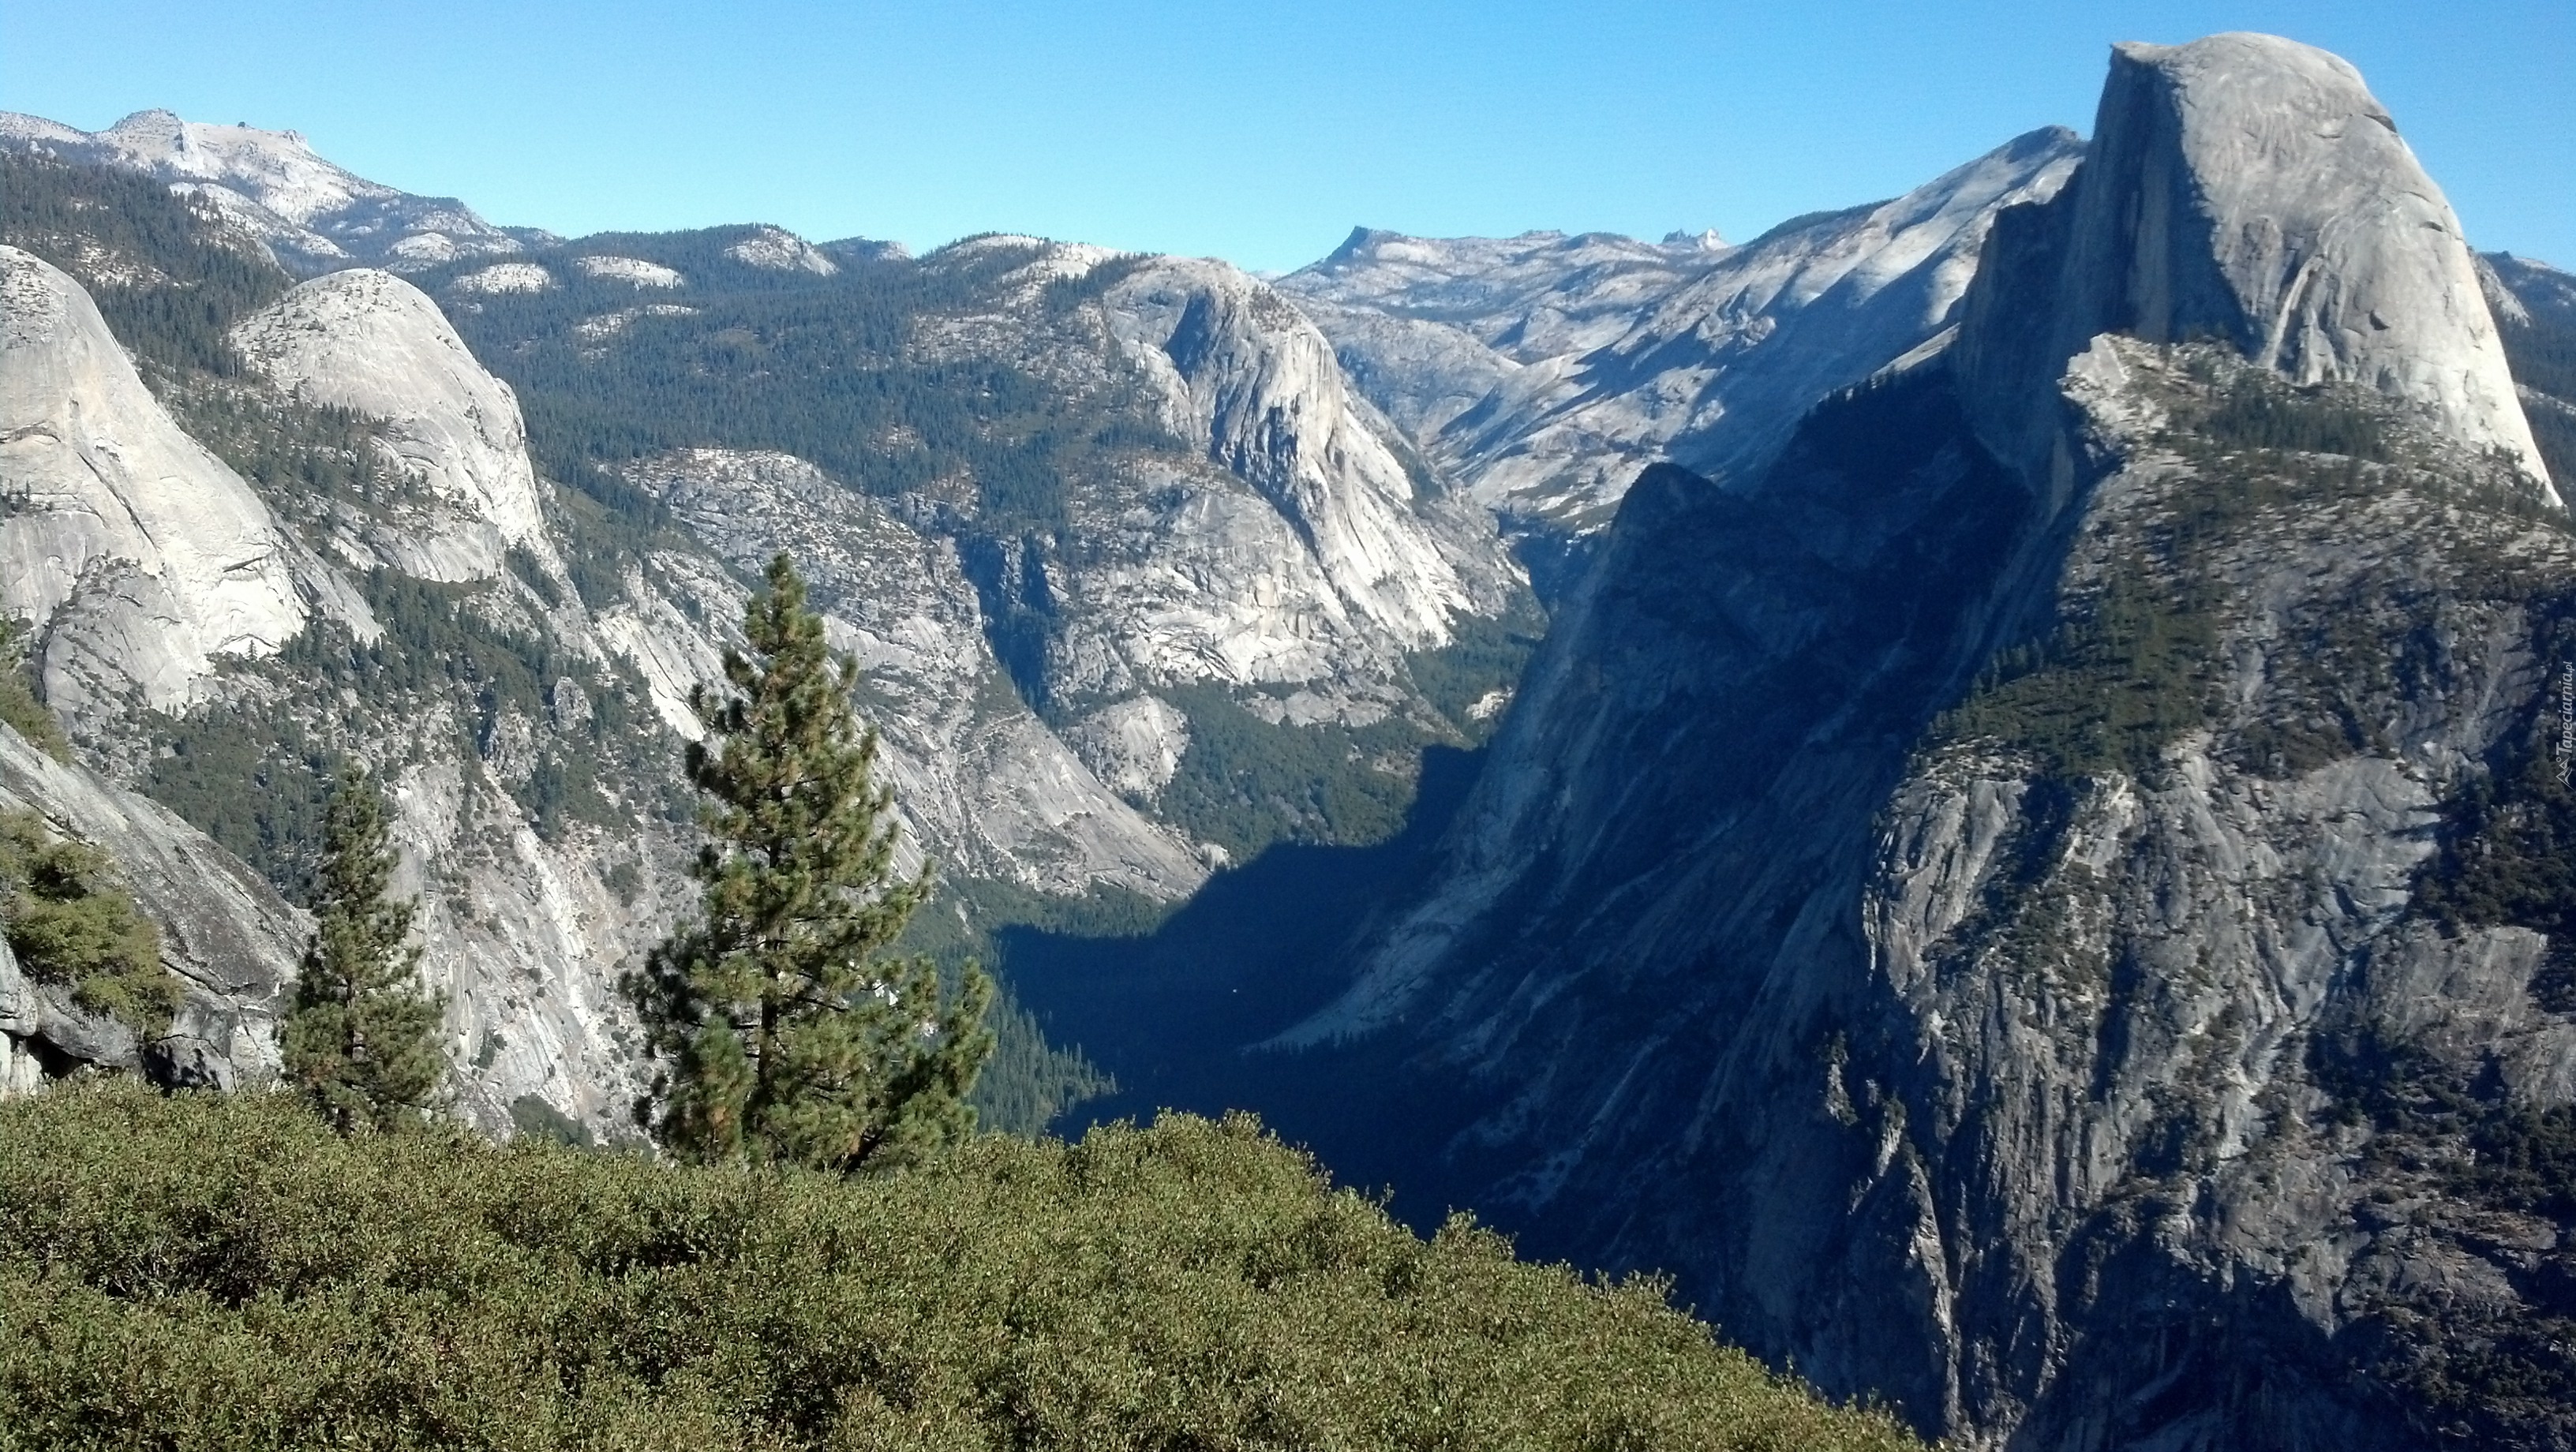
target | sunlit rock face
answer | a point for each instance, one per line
(137, 557)
(2250, 188)
(1238, 367)
(982, 784)
(1281, 536)
(1547, 371)
(368, 341)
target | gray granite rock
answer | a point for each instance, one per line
(137, 556)
(231, 940)
(1602, 355)
(2250, 188)
(368, 341)
(2001, 1088)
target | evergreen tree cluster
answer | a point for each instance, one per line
(21, 708)
(170, 279)
(363, 1039)
(69, 921)
(819, 367)
(788, 1035)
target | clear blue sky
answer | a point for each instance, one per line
(1256, 132)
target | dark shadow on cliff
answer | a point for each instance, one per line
(1172, 1015)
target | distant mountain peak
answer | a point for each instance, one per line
(780, 250)
(314, 214)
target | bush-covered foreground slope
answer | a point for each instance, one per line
(206, 1272)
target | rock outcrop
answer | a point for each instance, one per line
(1428, 326)
(2250, 188)
(779, 250)
(228, 936)
(1271, 531)
(1238, 367)
(138, 557)
(368, 341)
(981, 783)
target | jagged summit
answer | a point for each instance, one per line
(1547, 370)
(313, 213)
(2250, 188)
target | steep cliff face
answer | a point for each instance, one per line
(2250, 188)
(1288, 541)
(980, 781)
(1234, 364)
(2156, 1015)
(2016, 905)
(370, 342)
(138, 557)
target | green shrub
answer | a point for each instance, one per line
(68, 922)
(20, 707)
(211, 1272)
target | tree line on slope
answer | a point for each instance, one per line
(168, 276)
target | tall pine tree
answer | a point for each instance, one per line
(362, 1039)
(787, 1034)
